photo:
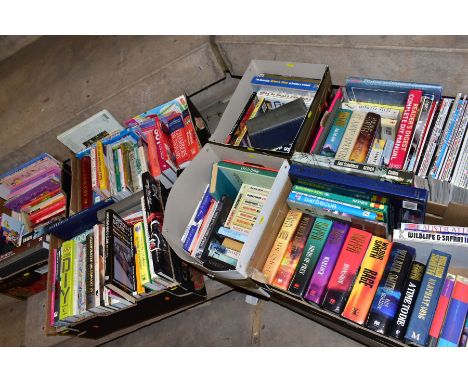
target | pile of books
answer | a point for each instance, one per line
(33, 196)
(274, 114)
(171, 134)
(112, 265)
(370, 280)
(226, 213)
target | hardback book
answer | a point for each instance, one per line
(406, 307)
(290, 259)
(86, 188)
(456, 314)
(351, 135)
(312, 250)
(405, 131)
(367, 280)
(428, 296)
(120, 259)
(365, 138)
(326, 262)
(336, 133)
(281, 244)
(278, 127)
(346, 268)
(387, 299)
(441, 310)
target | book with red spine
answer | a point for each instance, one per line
(441, 310)
(346, 268)
(86, 188)
(48, 217)
(405, 131)
(47, 210)
(192, 138)
(165, 151)
(290, 260)
(153, 162)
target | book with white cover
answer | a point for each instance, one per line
(84, 134)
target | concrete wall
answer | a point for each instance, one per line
(56, 82)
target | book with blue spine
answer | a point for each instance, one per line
(428, 296)
(336, 133)
(258, 82)
(232, 234)
(387, 299)
(298, 200)
(387, 92)
(456, 314)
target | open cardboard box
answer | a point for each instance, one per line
(244, 91)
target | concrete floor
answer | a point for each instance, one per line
(56, 82)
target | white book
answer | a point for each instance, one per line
(84, 134)
(384, 112)
(376, 155)
(350, 136)
(94, 175)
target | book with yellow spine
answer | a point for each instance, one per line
(102, 171)
(367, 281)
(141, 252)
(67, 280)
(281, 244)
(232, 244)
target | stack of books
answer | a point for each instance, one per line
(172, 137)
(113, 265)
(370, 280)
(274, 114)
(226, 213)
(33, 196)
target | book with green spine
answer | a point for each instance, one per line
(312, 250)
(67, 280)
(118, 181)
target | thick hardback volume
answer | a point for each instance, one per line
(441, 310)
(86, 189)
(326, 262)
(281, 244)
(428, 296)
(367, 280)
(67, 280)
(405, 131)
(350, 136)
(120, 259)
(387, 299)
(365, 138)
(336, 133)
(290, 260)
(410, 291)
(312, 250)
(456, 314)
(344, 273)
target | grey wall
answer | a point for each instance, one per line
(56, 82)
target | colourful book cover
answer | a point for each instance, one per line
(141, 250)
(336, 133)
(428, 296)
(405, 131)
(312, 250)
(387, 299)
(346, 268)
(289, 263)
(67, 280)
(365, 138)
(410, 291)
(103, 177)
(48, 185)
(456, 314)
(464, 336)
(350, 136)
(441, 310)
(281, 244)
(365, 286)
(326, 262)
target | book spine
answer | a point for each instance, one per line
(226, 232)
(350, 136)
(405, 131)
(53, 277)
(90, 287)
(365, 138)
(336, 133)
(365, 287)
(248, 106)
(456, 314)
(281, 244)
(441, 310)
(326, 263)
(39, 215)
(192, 138)
(376, 153)
(387, 299)
(141, 250)
(67, 280)
(464, 337)
(290, 260)
(204, 205)
(431, 237)
(312, 251)
(58, 292)
(103, 178)
(153, 162)
(425, 134)
(346, 268)
(426, 301)
(434, 228)
(384, 112)
(86, 188)
(406, 307)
